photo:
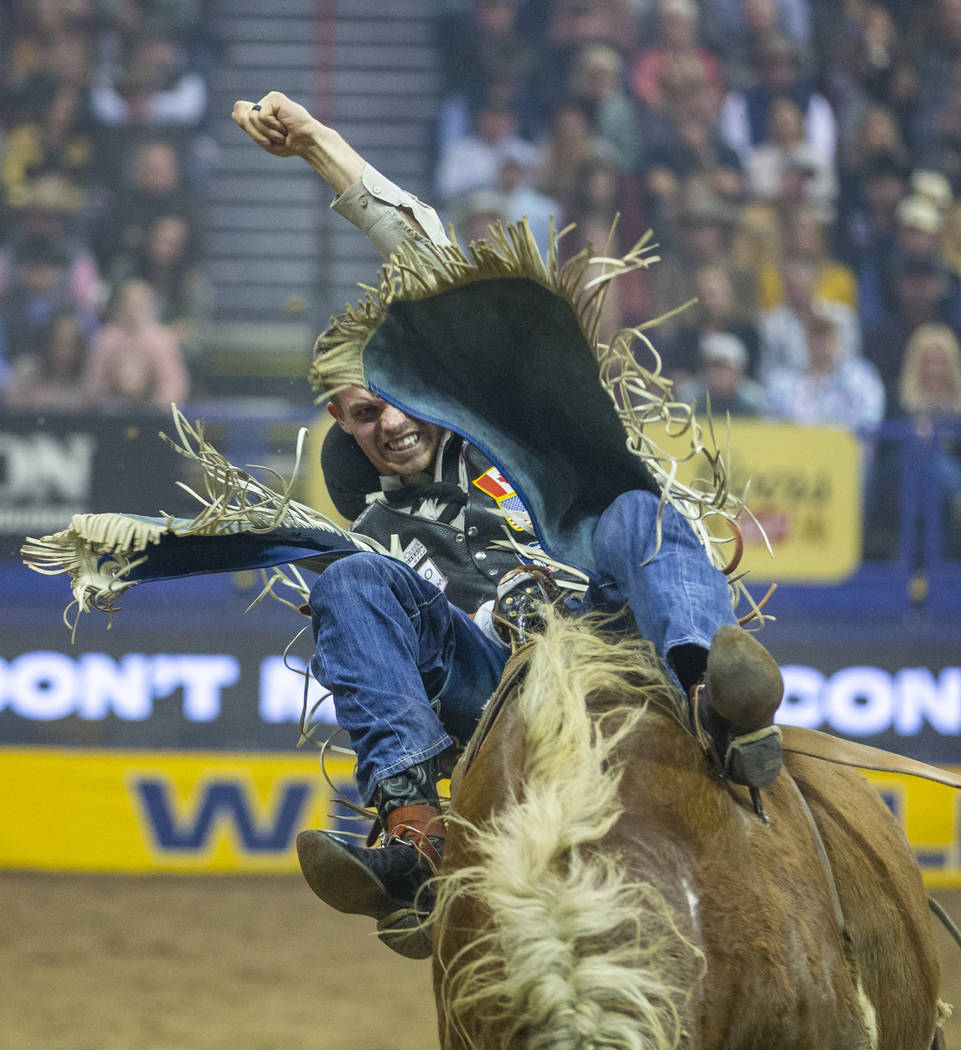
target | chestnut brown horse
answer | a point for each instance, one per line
(602, 887)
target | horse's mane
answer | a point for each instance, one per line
(576, 954)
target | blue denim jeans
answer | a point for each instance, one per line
(410, 673)
(677, 597)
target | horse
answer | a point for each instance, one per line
(602, 887)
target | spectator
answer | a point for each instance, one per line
(875, 158)
(757, 244)
(745, 117)
(722, 383)
(929, 386)
(596, 232)
(136, 362)
(786, 168)
(717, 311)
(574, 23)
(597, 80)
(167, 263)
(564, 151)
(877, 133)
(41, 41)
(784, 330)
(739, 30)
(475, 213)
(51, 378)
(47, 221)
(676, 44)
(805, 237)
(934, 187)
(130, 19)
(922, 294)
(39, 292)
(704, 234)
(686, 153)
(151, 85)
(918, 225)
(51, 147)
(155, 186)
(603, 193)
(867, 229)
(473, 163)
(833, 388)
(521, 200)
(483, 47)
(569, 27)
(929, 393)
(939, 74)
(599, 189)
(866, 65)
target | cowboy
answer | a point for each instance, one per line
(407, 645)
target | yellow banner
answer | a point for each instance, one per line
(804, 490)
(930, 816)
(136, 811)
(215, 812)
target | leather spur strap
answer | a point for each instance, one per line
(815, 744)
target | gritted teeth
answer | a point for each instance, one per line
(404, 443)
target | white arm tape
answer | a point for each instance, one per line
(484, 619)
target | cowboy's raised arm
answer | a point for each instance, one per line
(387, 214)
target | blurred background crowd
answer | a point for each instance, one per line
(103, 297)
(799, 162)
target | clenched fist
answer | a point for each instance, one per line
(286, 129)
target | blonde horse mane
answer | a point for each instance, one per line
(576, 953)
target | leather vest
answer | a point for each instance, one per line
(459, 560)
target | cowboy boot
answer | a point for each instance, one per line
(388, 882)
(734, 705)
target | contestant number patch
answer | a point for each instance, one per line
(502, 493)
(415, 555)
(429, 571)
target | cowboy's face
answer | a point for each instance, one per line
(393, 441)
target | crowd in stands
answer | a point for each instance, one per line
(103, 297)
(799, 162)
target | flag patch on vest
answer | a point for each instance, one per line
(502, 493)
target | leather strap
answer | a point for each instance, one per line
(815, 744)
(413, 824)
(822, 853)
(945, 920)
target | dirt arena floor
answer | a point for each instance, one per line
(221, 963)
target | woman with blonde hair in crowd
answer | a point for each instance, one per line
(929, 392)
(930, 383)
